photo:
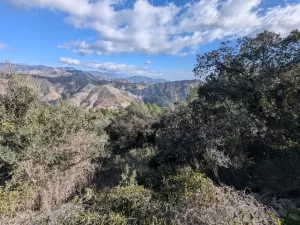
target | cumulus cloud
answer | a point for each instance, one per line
(69, 61)
(148, 62)
(168, 28)
(3, 46)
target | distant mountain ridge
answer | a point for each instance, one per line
(142, 79)
(16, 67)
(93, 90)
(163, 94)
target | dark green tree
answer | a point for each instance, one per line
(247, 110)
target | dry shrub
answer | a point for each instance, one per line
(228, 206)
(195, 200)
(61, 170)
(60, 215)
(67, 214)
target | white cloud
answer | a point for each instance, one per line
(77, 44)
(3, 46)
(148, 62)
(168, 28)
(115, 68)
(63, 47)
(83, 52)
(69, 61)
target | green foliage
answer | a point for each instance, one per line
(131, 204)
(44, 149)
(128, 177)
(139, 160)
(186, 184)
(193, 199)
(134, 127)
(21, 94)
(247, 109)
(12, 200)
(284, 166)
(193, 95)
(240, 127)
(132, 201)
(193, 135)
(293, 217)
(91, 218)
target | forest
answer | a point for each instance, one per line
(229, 154)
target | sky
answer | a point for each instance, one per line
(154, 38)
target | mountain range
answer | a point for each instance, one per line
(93, 89)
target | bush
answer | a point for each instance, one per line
(134, 203)
(247, 110)
(193, 135)
(140, 160)
(195, 200)
(133, 128)
(48, 153)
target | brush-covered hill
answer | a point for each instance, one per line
(104, 96)
(163, 94)
(81, 87)
(86, 92)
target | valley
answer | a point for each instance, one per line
(95, 90)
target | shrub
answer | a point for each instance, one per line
(134, 203)
(48, 151)
(140, 161)
(193, 135)
(14, 199)
(63, 170)
(195, 200)
(133, 128)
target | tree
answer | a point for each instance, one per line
(247, 111)
(262, 74)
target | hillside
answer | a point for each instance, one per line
(103, 96)
(57, 83)
(85, 92)
(162, 94)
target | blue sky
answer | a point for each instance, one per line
(151, 38)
